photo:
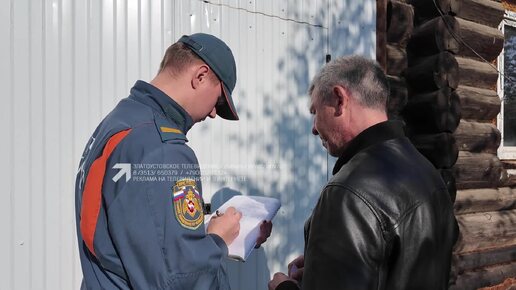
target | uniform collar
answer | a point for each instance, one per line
(373, 135)
(160, 101)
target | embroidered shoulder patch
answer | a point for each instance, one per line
(187, 204)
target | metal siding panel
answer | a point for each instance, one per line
(169, 6)
(107, 56)
(94, 65)
(37, 194)
(180, 19)
(51, 145)
(7, 147)
(284, 156)
(83, 126)
(21, 165)
(157, 34)
(121, 51)
(244, 97)
(66, 124)
(133, 41)
(353, 27)
(265, 66)
(145, 40)
(247, 276)
(195, 9)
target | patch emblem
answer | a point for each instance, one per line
(187, 204)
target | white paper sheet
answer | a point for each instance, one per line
(254, 209)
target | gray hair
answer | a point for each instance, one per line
(362, 77)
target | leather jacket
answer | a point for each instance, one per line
(384, 220)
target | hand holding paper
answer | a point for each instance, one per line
(254, 209)
(227, 226)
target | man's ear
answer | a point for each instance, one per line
(340, 99)
(200, 75)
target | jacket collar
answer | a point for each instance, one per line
(373, 135)
(154, 97)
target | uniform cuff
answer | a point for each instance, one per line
(220, 242)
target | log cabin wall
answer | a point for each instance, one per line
(400, 17)
(442, 70)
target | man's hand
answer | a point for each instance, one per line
(296, 268)
(265, 232)
(278, 279)
(226, 225)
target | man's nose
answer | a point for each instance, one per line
(314, 130)
(213, 113)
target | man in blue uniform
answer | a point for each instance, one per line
(139, 206)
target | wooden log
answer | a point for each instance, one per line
(486, 238)
(477, 137)
(476, 73)
(478, 170)
(381, 33)
(440, 149)
(486, 230)
(398, 96)
(478, 104)
(396, 60)
(449, 180)
(485, 12)
(507, 284)
(400, 19)
(472, 260)
(434, 112)
(433, 73)
(484, 200)
(434, 36)
(482, 41)
(426, 9)
(484, 277)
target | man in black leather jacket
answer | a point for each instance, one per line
(385, 219)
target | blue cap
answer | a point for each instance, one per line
(218, 56)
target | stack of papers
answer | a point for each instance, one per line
(254, 209)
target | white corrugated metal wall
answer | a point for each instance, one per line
(64, 64)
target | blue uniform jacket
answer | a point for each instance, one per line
(139, 207)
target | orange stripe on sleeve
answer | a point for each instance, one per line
(92, 194)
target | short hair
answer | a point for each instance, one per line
(178, 57)
(362, 77)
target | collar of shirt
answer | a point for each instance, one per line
(160, 101)
(373, 135)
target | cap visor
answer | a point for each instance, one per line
(228, 110)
